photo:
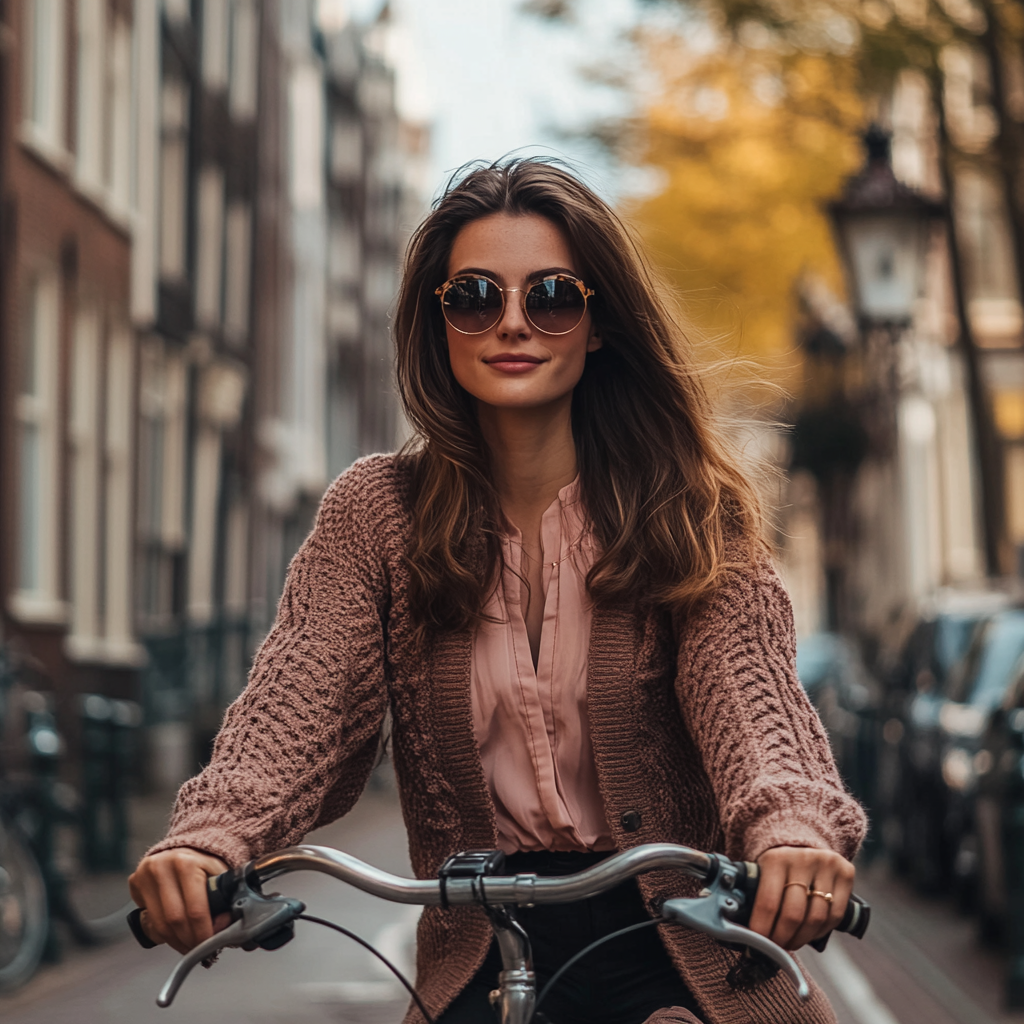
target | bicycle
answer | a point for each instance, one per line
(44, 872)
(24, 909)
(474, 878)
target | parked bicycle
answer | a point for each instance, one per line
(24, 913)
(48, 869)
(475, 878)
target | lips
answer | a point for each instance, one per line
(513, 362)
(512, 357)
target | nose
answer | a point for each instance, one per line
(513, 323)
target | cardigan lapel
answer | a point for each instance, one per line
(453, 728)
(610, 671)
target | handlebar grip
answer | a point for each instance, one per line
(135, 923)
(220, 893)
(855, 920)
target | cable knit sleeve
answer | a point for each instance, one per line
(296, 747)
(762, 743)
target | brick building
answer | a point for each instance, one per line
(69, 353)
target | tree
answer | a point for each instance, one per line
(749, 141)
(829, 64)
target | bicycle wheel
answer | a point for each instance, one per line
(23, 912)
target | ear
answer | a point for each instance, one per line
(594, 341)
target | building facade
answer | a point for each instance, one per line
(69, 352)
(201, 237)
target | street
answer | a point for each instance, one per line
(919, 962)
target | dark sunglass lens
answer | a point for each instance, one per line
(472, 304)
(555, 305)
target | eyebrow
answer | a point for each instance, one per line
(532, 276)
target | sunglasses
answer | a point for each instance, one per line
(555, 304)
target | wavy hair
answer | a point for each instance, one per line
(663, 490)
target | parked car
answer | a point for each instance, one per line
(973, 696)
(998, 770)
(833, 674)
(912, 796)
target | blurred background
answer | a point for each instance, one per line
(203, 210)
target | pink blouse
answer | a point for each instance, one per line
(531, 725)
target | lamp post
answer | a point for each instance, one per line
(883, 228)
(882, 231)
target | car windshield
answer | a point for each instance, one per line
(952, 638)
(1004, 644)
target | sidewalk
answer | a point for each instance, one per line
(920, 961)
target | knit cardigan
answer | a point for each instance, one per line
(702, 735)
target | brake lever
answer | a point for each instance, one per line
(710, 913)
(266, 921)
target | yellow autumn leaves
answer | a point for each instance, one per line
(749, 143)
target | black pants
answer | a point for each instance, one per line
(621, 982)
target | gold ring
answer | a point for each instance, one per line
(803, 885)
(817, 892)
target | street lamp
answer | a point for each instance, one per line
(883, 227)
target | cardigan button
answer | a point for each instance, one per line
(630, 820)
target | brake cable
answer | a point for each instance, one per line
(552, 981)
(557, 976)
(380, 956)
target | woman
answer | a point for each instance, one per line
(561, 592)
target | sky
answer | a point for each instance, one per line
(492, 79)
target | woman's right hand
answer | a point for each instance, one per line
(170, 886)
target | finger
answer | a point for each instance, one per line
(768, 899)
(146, 895)
(192, 882)
(171, 907)
(211, 865)
(816, 914)
(842, 888)
(147, 928)
(791, 914)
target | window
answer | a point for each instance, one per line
(219, 406)
(982, 225)
(36, 595)
(344, 251)
(205, 499)
(307, 143)
(215, 42)
(238, 270)
(173, 205)
(346, 150)
(43, 50)
(161, 481)
(89, 132)
(84, 508)
(117, 608)
(119, 156)
(210, 248)
(236, 560)
(243, 92)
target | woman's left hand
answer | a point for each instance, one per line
(783, 910)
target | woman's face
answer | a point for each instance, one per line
(514, 365)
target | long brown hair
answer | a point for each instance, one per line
(663, 490)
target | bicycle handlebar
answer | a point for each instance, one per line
(501, 890)
(721, 911)
(490, 890)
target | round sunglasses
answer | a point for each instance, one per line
(555, 304)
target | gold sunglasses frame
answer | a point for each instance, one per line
(452, 281)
